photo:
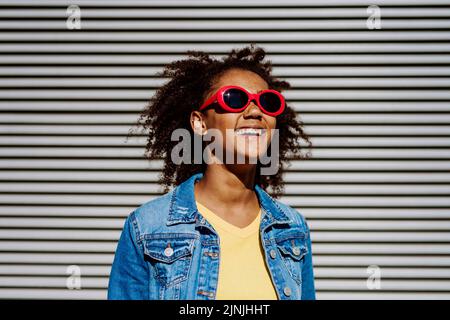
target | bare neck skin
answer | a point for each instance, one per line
(229, 193)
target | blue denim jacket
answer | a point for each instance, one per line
(167, 250)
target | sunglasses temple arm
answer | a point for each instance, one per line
(208, 102)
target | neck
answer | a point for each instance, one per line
(231, 186)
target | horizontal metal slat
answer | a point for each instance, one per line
(319, 260)
(115, 164)
(318, 248)
(318, 236)
(386, 273)
(380, 236)
(290, 189)
(57, 258)
(304, 82)
(374, 295)
(236, 13)
(235, 36)
(18, 210)
(381, 261)
(327, 201)
(65, 222)
(98, 294)
(388, 285)
(51, 282)
(301, 107)
(278, 71)
(311, 129)
(61, 129)
(52, 270)
(309, 118)
(50, 234)
(272, 48)
(287, 59)
(346, 285)
(292, 177)
(320, 142)
(56, 294)
(373, 213)
(224, 24)
(42, 246)
(79, 176)
(312, 94)
(316, 225)
(381, 225)
(135, 152)
(364, 201)
(231, 3)
(384, 249)
(295, 165)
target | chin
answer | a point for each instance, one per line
(251, 157)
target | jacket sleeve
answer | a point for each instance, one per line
(308, 288)
(129, 272)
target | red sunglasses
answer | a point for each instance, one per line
(236, 99)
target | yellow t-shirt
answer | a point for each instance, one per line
(243, 274)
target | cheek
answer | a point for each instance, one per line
(225, 123)
(271, 122)
(222, 121)
(223, 126)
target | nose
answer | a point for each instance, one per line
(252, 111)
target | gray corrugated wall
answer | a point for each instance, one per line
(375, 101)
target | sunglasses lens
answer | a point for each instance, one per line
(270, 101)
(235, 98)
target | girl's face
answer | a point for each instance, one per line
(243, 144)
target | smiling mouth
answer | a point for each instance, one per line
(250, 132)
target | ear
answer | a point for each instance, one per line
(198, 123)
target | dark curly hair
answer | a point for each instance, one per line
(190, 81)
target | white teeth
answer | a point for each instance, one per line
(249, 131)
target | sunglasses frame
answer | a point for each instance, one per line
(218, 96)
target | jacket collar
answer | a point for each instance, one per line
(183, 208)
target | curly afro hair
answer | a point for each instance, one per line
(189, 82)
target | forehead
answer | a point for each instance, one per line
(244, 78)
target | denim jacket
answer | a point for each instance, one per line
(167, 250)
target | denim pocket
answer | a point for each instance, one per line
(170, 256)
(293, 249)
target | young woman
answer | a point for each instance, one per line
(217, 234)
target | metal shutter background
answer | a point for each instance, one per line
(376, 103)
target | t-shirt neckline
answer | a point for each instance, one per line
(218, 222)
